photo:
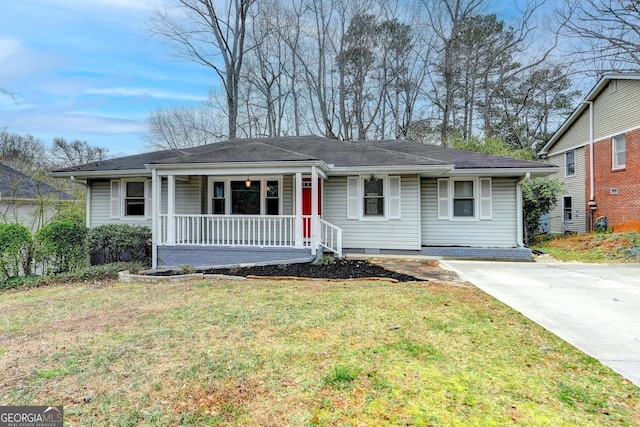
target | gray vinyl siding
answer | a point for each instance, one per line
(576, 188)
(500, 231)
(99, 212)
(576, 135)
(287, 195)
(617, 112)
(401, 233)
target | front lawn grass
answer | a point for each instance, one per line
(299, 353)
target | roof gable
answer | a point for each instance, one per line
(581, 109)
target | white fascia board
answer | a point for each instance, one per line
(102, 174)
(408, 170)
(502, 172)
(239, 168)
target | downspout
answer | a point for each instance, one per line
(592, 192)
(519, 211)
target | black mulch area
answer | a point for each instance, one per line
(340, 269)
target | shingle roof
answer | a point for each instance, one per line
(314, 148)
(16, 185)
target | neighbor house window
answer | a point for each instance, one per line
(464, 199)
(570, 163)
(567, 209)
(619, 151)
(130, 198)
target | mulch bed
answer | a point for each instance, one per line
(340, 269)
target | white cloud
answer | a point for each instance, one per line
(136, 92)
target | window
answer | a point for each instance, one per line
(272, 198)
(245, 199)
(567, 210)
(219, 202)
(374, 197)
(255, 196)
(570, 163)
(464, 199)
(619, 151)
(130, 199)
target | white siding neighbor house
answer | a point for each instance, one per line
(273, 200)
(27, 201)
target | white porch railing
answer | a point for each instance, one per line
(247, 230)
(230, 230)
(331, 237)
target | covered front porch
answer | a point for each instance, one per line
(233, 216)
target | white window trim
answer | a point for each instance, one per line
(227, 192)
(447, 200)
(566, 169)
(563, 209)
(117, 191)
(615, 166)
(355, 202)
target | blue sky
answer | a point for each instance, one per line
(86, 69)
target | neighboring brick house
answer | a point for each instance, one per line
(605, 182)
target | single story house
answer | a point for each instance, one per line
(285, 199)
(597, 150)
(27, 201)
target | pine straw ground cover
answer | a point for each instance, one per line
(300, 353)
(593, 247)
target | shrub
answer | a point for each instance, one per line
(60, 245)
(539, 196)
(118, 242)
(15, 250)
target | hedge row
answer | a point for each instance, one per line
(64, 246)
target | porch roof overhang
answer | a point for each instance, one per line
(240, 168)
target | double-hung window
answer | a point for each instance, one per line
(464, 198)
(373, 197)
(570, 163)
(567, 209)
(619, 152)
(130, 199)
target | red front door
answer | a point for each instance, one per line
(306, 204)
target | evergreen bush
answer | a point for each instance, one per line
(118, 242)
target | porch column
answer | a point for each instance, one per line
(315, 239)
(154, 219)
(298, 223)
(171, 210)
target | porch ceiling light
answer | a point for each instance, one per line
(373, 178)
(247, 183)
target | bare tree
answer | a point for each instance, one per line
(23, 153)
(606, 33)
(184, 127)
(206, 32)
(76, 152)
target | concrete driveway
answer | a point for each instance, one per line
(595, 307)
